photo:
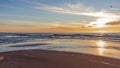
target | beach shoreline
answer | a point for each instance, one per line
(36, 58)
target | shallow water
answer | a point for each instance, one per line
(106, 44)
(96, 47)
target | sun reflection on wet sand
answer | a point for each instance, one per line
(101, 43)
(101, 51)
(101, 47)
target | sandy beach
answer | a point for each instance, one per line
(54, 59)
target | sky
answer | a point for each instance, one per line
(60, 16)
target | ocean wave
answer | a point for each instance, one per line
(6, 38)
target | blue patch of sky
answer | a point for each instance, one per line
(24, 10)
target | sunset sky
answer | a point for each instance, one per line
(60, 16)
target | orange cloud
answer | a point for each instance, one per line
(28, 26)
(114, 23)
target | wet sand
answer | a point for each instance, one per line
(30, 45)
(55, 59)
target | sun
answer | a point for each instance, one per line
(100, 25)
(101, 22)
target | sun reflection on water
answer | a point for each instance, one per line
(101, 47)
(101, 51)
(101, 44)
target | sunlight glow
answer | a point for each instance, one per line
(101, 47)
(101, 44)
(101, 22)
(101, 51)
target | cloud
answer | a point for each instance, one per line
(17, 23)
(76, 9)
(105, 22)
(102, 17)
(71, 9)
(101, 22)
(80, 7)
(117, 9)
(69, 24)
(13, 15)
(116, 23)
(32, 24)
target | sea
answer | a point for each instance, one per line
(100, 44)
